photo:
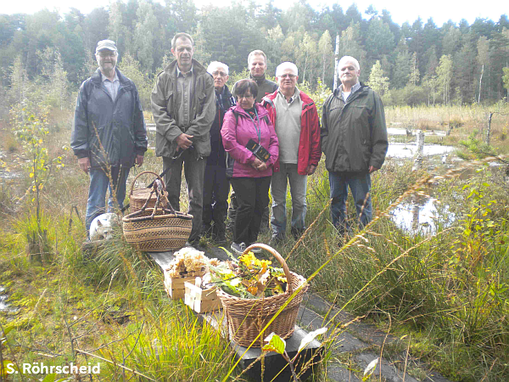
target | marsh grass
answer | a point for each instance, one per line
(450, 288)
(77, 308)
(447, 292)
(163, 352)
(460, 121)
(73, 307)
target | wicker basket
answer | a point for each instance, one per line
(157, 229)
(146, 197)
(247, 317)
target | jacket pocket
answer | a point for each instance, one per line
(169, 101)
(202, 98)
(359, 112)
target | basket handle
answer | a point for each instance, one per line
(279, 258)
(146, 172)
(133, 216)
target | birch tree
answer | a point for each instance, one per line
(444, 72)
(326, 53)
(144, 36)
(306, 57)
(483, 49)
(377, 81)
(414, 74)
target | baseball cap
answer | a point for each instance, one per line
(106, 44)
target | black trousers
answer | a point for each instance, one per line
(232, 212)
(215, 199)
(253, 198)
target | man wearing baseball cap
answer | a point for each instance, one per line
(109, 134)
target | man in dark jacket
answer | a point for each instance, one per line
(354, 141)
(183, 106)
(257, 63)
(216, 186)
(297, 125)
(109, 134)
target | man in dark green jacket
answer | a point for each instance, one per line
(183, 106)
(354, 141)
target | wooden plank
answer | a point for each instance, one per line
(163, 259)
(274, 363)
(275, 367)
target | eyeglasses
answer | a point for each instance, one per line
(219, 74)
(107, 54)
(291, 76)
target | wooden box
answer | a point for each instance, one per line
(201, 300)
(175, 285)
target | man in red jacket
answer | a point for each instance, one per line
(295, 118)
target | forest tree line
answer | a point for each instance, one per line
(418, 63)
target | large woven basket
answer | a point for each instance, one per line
(157, 229)
(247, 317)
(146, 197)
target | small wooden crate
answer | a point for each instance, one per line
(175, 285)
(201, 300)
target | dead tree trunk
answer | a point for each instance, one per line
(488, 132)
(480, 84)
(336, 63)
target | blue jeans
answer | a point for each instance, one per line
(360, 186)
(298, 184)
(99, 183)
(194, 171)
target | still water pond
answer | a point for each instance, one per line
(422, 217)
(409, 150)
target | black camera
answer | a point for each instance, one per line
(259, 151)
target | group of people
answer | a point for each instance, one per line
(260, 135)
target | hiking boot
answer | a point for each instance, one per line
(256, 250)
(238, 248)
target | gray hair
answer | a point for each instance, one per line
(256, 53)
(287, 65)
(216, 64)
(349, 59)
(180, 35)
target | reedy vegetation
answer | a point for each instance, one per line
(447, 293)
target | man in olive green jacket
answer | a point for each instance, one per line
(183, 105)
(354, 141)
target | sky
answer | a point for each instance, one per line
(441, 11)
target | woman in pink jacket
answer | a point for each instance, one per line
(251, 143)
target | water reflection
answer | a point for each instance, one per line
(408, 150)
(422, 216)
(4, 306)
(407, 132)
(3, 297)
